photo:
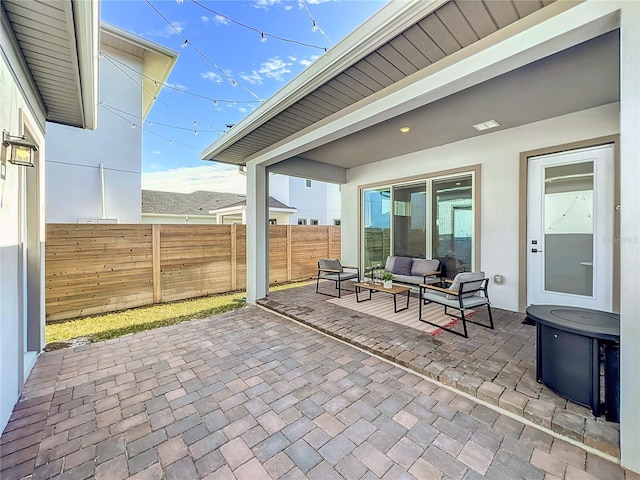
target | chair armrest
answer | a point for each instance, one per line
(328, 270)
(428, 274)
(438, 289)
(349, 266)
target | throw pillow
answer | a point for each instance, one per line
(402, 266)
(423, 266)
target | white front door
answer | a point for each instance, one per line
(570, 209)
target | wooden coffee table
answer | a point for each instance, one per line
(394, 290)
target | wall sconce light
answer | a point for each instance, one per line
(20, 151)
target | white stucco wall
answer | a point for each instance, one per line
(74, 156)
(498, 154)
(18, 106)
(178, 219)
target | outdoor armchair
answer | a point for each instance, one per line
(466, 291)
(332, 269)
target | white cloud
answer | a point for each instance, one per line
(274, 68)
(288, 7)
(174, 29)
(214, 177)
(156, 152)
(178, 86)
(242, 109)
(265, 3)
(292, 58)
(220, 20)
(308, 61)
(213, 76)
(254, 77)
(204, 18)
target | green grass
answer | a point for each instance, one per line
(111, 325)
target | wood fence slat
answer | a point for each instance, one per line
(93, 269)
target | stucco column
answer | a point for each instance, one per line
(257, 232)
(630, 234)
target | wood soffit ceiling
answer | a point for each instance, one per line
(452, 27)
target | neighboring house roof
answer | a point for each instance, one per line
(59, 44)
(157, 60)
(401, 39)
(200, 202)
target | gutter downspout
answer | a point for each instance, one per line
(104, 205)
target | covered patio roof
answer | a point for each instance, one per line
(346, 109)
(59, 44)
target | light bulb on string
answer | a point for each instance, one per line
(170, 142)
(185, 43)
(195, 133)
(133, 125)
(263, 39)
(314, 27)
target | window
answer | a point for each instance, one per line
(307, 183)
(273, 221)
(432, 218)
(336, 221)
(302, 221)
(377, 226)
(314, 221)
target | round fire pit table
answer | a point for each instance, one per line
(574, 345)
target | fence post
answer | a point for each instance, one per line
(234, 274)
(288, 253)
(155, 261)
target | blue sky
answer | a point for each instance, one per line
(238, 67)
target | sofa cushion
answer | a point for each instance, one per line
(422, 266)
(402, 265)
(333, 264)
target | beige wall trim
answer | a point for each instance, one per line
(524, 172)
(475, 169)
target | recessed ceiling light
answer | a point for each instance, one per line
(486, 125)
(405, 129)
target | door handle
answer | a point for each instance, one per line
(535, 250)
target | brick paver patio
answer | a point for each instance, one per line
(252, 395)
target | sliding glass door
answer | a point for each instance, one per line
(410, 220)
(376, 218)
(430, 218)
(452, 233)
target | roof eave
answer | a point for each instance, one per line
(165, 55)
(86, 17)
(384, 25)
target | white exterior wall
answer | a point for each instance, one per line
(178, 219)
(499, 156)
(21, 232)
(74, 155)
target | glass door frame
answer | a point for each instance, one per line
(428, 178)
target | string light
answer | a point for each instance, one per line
(150, 131)
(263, 39)
(249, 27)
(314, 25)
(185, 43)
(152, 123)
(200, 52)
(172, 87)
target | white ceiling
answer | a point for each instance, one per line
(582, 77)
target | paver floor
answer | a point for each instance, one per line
(497, 366)
(252, 395)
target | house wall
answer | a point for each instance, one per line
(498, 154)
(77, 154)
(21, 230)
(178, 219)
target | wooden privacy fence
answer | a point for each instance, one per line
(94, 269)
